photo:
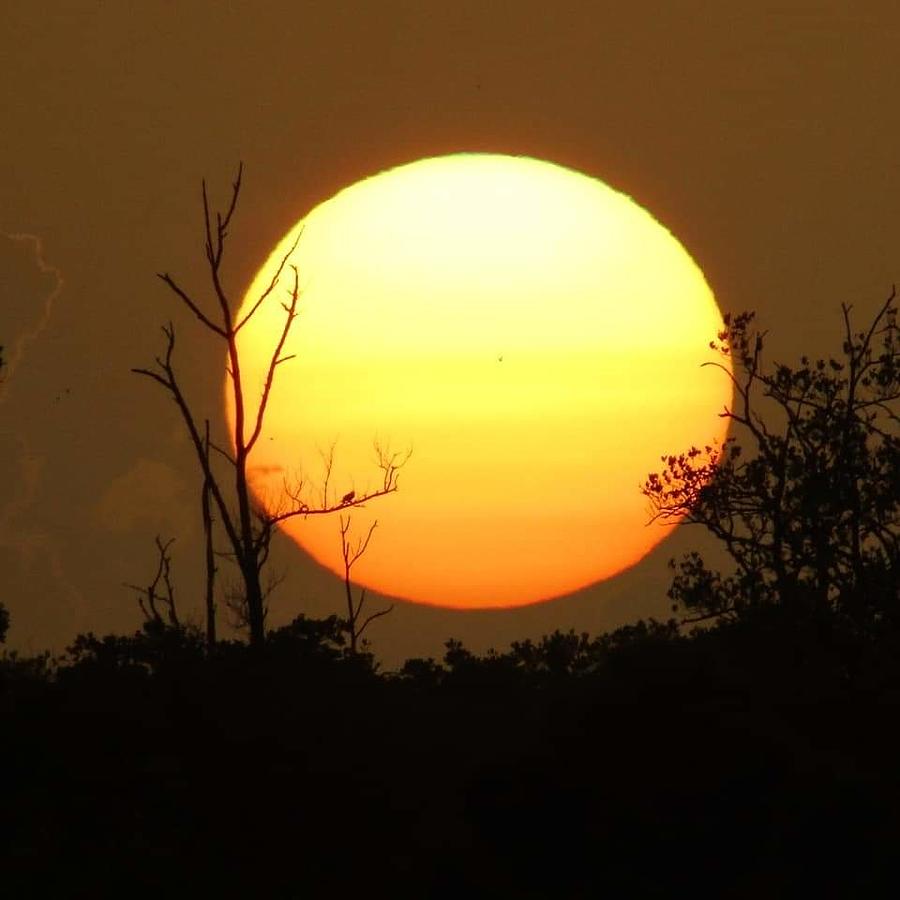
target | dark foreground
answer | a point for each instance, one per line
(748, 762)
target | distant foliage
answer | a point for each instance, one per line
(154, 647)
(806, 497)
(554, 658)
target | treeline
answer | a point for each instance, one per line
(753, 756)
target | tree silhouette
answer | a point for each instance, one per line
(807, 503)
(160, 591)
(4, 612)
(351, 554)
(4, 622)
(248, 526)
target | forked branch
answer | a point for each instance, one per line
(149, 596)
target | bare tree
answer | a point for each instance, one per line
(246, 525)
(351, 553)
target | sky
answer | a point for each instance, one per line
(765, 136)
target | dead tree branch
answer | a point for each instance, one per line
(351, 553)
(149, 596)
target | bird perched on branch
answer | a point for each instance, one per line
(348, 497)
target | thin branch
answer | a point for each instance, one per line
(351, 555)
(223, 453)
(275, 278)
(172, 284)
(274, 361)
(373, 617)
(304, 510)
(151, 592)
(169, 381)
(235, 191)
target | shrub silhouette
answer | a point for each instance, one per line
(565, 766)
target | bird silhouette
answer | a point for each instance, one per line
(348, 497)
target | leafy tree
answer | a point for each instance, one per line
(554, 658)
(155, 647)
(563, 655)
(558, 655)
(805, 497)
(248, 527)
(309, 642)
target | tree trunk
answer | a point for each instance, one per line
(256, 619)
(210, 592)
(351, 619)
(210, 555)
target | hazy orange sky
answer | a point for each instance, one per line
(763, 135)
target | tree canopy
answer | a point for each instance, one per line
(805, 494)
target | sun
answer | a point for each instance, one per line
(535, 337)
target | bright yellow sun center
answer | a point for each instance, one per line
(534, 336)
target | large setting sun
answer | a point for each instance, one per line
(535, 337)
